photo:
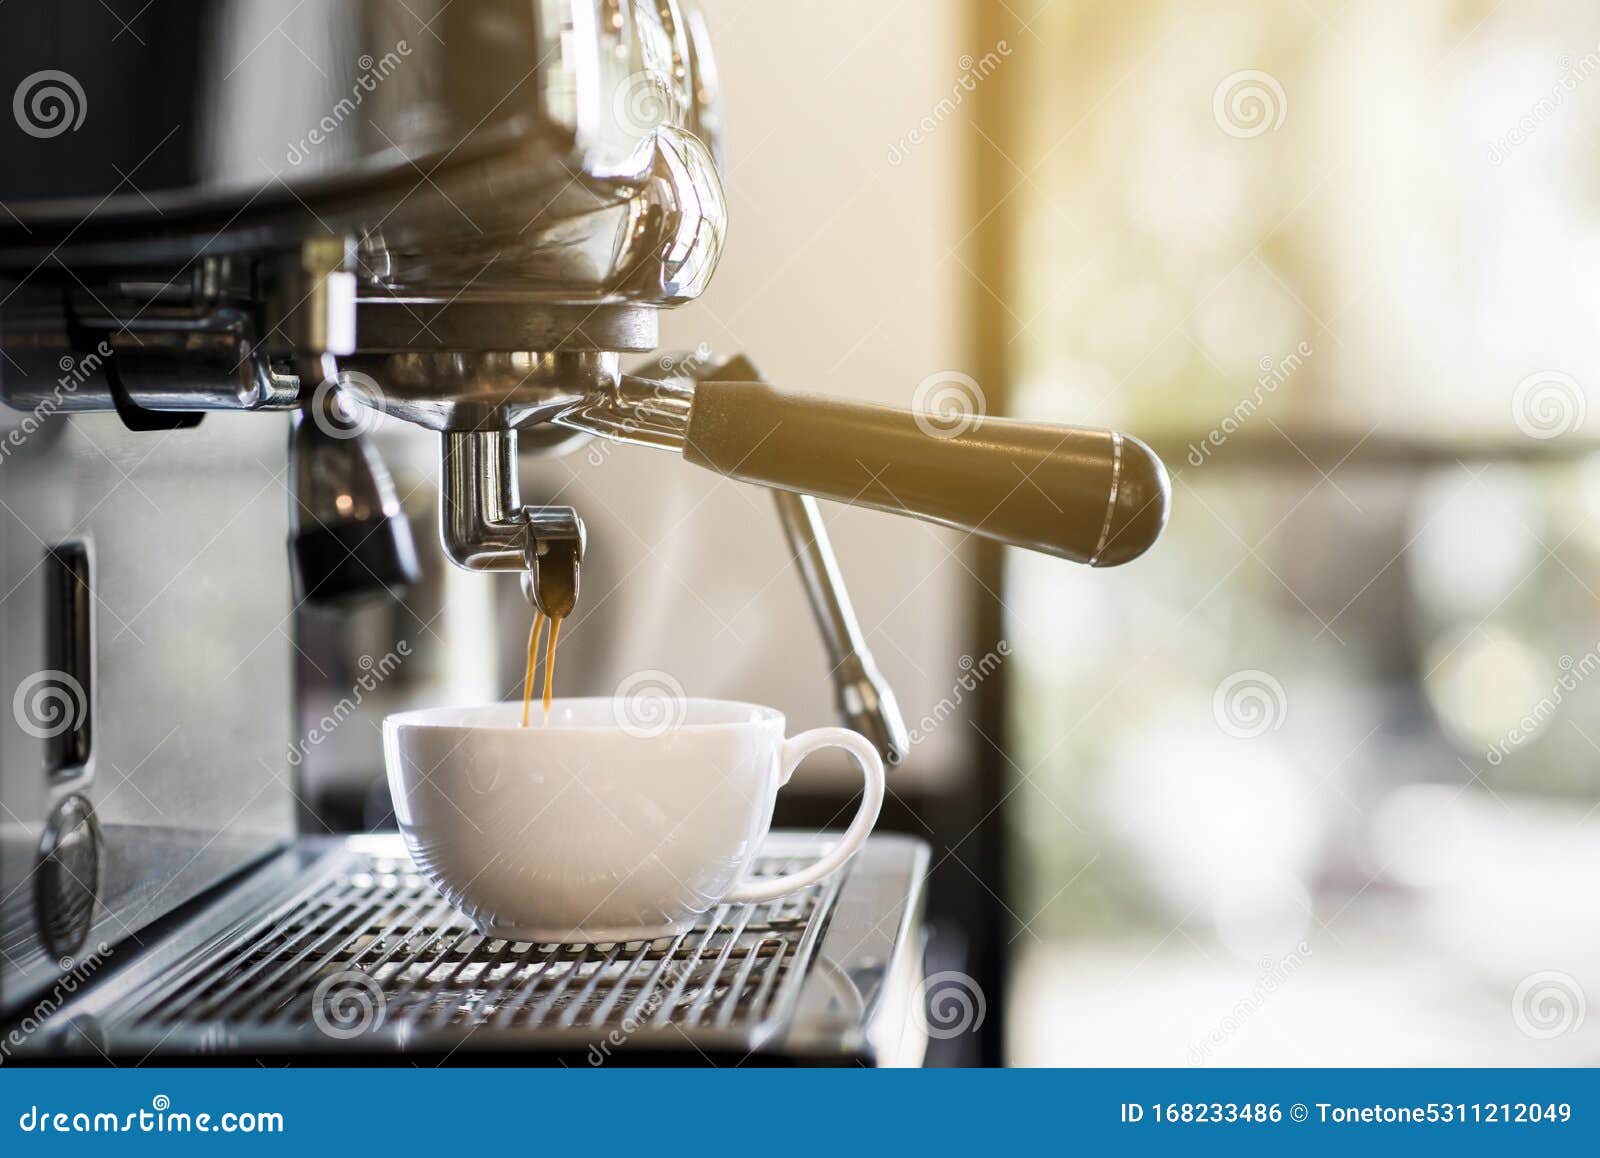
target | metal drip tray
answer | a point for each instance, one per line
(362, 956)
(379, 949)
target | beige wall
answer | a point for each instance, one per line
(838, 276)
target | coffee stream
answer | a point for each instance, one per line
(549, 666)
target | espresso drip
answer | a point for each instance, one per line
(539, 620)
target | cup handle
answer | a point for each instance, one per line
(753, 889)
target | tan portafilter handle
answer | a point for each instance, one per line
(1092, 496)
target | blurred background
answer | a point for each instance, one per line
(1316, 780)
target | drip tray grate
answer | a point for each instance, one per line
(373, 956)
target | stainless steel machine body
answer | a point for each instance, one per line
(140, 769)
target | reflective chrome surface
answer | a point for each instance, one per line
(188, 690)
(514, 187)
(643, 411)
(479, 390)
(866, 702)
(349, 540)
(484, 526)
(556, 149)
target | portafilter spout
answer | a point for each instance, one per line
(483, 525)
(481, 404)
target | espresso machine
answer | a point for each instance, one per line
(233, 232)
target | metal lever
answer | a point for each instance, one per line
(864, 697)
(865, 701)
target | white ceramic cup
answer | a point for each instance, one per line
(600, 827)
